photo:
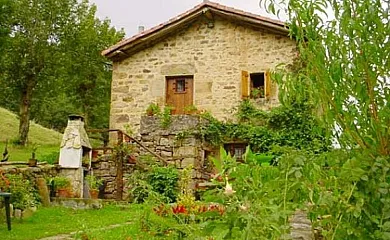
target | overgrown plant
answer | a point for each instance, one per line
(343, 67)
(153, 109)
(93, 182)
(293, 126)
(153, 183)
(23, 193)
(166, 117)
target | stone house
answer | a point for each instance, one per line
(210, 57)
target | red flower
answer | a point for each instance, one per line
(179, 209)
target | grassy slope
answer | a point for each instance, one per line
(46, 140)
(9, 125)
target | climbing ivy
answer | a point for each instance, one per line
(293, 126)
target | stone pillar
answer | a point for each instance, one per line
(76, 176)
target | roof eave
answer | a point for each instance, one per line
(119, 50)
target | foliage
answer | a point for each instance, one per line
(153, 183)
(294, 126)
(93, 182)
(166, 117)
(258, 93)
(52, 65)
(343, 68)
(23, 194)
(190, 109)
(186, 195)
(50, 158)
(61, 182)
(6, 9)
(258, 158)
(153, 109)
(164, 181)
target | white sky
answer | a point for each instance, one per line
(129, 14)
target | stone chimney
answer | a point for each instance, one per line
(75, 143)
(141, 29)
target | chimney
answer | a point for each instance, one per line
(75, 143)
(141, 29)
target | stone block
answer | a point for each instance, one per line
(187, 161)
(166, 142)
(27, 213)
(166, 154)
(18, 213)
(184, 151)
(43, 191)
(104, 166)
(189, 141)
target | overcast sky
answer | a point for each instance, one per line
(129, 14)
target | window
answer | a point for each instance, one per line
(236, 150)
(180, 85)
(257, 85)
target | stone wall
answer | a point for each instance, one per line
(105, 167)
(177, 143)
(31, 173)
(215, 57)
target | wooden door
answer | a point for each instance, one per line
(179, 93)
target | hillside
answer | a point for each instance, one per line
(9, 125)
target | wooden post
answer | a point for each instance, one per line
(119, 168)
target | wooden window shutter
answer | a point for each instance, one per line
(268, 84)
(244, 84)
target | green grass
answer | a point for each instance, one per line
(56, 220)
(22, 154)
(46, 140)
(38, 135)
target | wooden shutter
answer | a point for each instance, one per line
(244, 84)
(268, 84)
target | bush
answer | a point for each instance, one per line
(51, 158)
(93, 182)
(23, 194)
(164, 181)
(61, 182)
(155, 183)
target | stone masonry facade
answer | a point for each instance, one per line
(177, 143)
(214, 56)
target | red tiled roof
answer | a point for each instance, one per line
(212, 5)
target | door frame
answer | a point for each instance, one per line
(173, 77)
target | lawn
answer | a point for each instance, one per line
(9, 128)
(95, 224)
(22, 154)
(45, 140)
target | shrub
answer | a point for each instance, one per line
(23, 194)
(51, 158)
(164, 181)
(93, 182)
(61, 182)
(153, 109)
(154, 184)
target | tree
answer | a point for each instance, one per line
(5, 13)
(39, 58)
(90, 71)
(344, 67)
